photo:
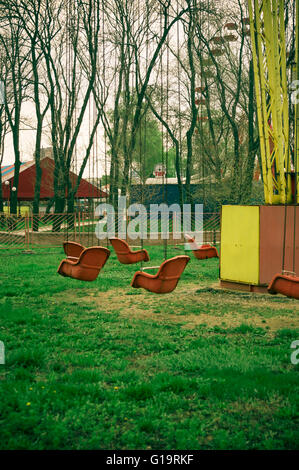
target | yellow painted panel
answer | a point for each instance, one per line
(239, 259)
(25, 210)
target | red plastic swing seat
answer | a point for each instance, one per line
(285, 285)
(165, 280)
(73, 250)
(124, 253)
(87, 266)
(203, 251)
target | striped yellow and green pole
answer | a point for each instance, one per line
(267, 30)
(296, 146)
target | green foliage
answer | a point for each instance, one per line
(105, 180)
(149, 150)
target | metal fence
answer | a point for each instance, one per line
(14, 231)
(50, 230)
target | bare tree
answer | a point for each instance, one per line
(231, 79)
(4, 127)
(16, 53)
(141, 32)
(33, 14)
(71, 62)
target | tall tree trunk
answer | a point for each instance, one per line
(188, 193)
(1, 195)
(178, 173)
(194, 109)
(59, 195)
(14, 194)
(247, 183)
(37, 186)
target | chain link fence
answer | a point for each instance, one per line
(14, 231)
(51, 230)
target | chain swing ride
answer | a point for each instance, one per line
(287, 282)
(170, 271)
(258, 243)
(79, 263)
(204, 251)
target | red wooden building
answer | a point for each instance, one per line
(27, 178)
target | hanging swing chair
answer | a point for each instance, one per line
(124, 253)
(285, 284)
(87, 266)
(73, 250)
(170, 271)
(204, 251)
(165, 280)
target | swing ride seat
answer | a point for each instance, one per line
(87, 266)
(73, 250)
(124, 253)
(203, 251)
(285, 284)
(165, 280)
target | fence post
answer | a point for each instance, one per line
(26, 232)
(174, 228)
(79, 226)
(31, 216)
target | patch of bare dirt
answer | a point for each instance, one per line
(185, 306)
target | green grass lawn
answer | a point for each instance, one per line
(103, 366)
